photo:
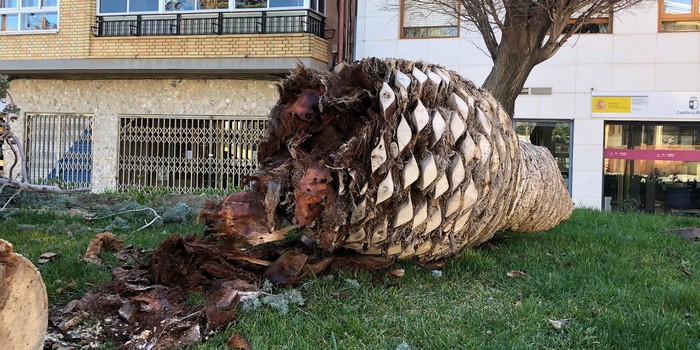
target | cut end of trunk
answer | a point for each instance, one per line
(24, 313)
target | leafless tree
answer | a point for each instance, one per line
(520, 34)
(16, 177)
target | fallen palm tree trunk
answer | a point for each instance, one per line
(395, 158)
(24, 309)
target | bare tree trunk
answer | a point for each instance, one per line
(519, 52)
(393, 158)
(508, 76)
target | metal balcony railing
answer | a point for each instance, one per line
(263, 22)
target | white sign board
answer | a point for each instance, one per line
(671, 105)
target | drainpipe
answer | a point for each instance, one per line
(341, 31)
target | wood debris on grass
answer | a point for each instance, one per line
(146, 304)
(105, 241)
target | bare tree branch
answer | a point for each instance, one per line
(7, 115)
(10, 199)
(156, 216)
(520, 34)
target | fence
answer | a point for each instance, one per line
(211, 24)
(185, 154)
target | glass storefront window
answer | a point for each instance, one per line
(652, 167)
(553, 135)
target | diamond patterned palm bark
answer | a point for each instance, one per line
(395, 158)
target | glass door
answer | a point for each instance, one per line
(555, 135)
(652, 167)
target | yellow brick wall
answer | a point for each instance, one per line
(211, 46)
(75, 21)
(75, 40)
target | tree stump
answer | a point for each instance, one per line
(24, 307)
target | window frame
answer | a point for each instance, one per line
(595, 20)
(307, 5)
(21, 11)
(693, 16)
(402, 28)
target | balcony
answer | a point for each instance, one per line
(218, 23)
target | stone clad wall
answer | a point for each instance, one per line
(107, 99)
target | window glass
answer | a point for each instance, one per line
(652, 167)
(424, 20)
(8, 23)
(112, 6)
(143, 5)
(680, 16)
(247, 4)
(39, 21)
(8, 4)
(553, 135)
(676, 7)
(286, 3)
(212, 4)
(50, 3)
(179, 5)
(321, 6)
(683, 26)
(30, 3)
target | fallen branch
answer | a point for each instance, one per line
(156, 216)
(28, 187)
(11, 197)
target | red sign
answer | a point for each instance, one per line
(652, 154)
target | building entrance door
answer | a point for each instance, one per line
(652, 167)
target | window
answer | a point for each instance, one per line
(316, 5)
(652, 166)
(59, 149)
(167, 6)
(187, 153)
(679, 15)
(425, 20)
(595, 25)
(28, 15)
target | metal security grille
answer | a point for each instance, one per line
(59, 149)
(186, 154)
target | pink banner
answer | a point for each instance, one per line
(652, 154)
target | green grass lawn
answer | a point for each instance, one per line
(616, 281)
